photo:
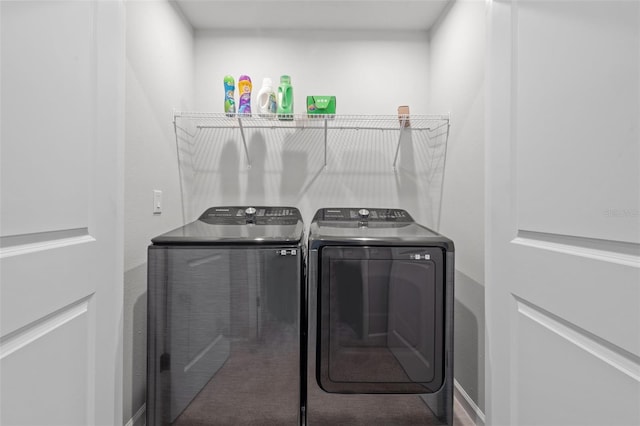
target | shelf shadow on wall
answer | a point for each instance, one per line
(406, 179)
(229, 173)
(295, 177)
(419, 173)
(256, 175)
(294, 167)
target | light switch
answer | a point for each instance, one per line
(157, 201)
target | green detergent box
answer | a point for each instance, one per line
(321, 106)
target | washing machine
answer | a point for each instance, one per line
(224, 317)
(380, 320)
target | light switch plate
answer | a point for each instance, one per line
(157, 201)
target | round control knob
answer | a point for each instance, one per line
(250, 212)
(364, 213)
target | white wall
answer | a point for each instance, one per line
(457, 85)
(370, 72)
(159, 79)
(456, 68)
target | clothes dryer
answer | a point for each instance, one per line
(224, 315)
(380, 320)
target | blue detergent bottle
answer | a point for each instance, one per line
(229, 101)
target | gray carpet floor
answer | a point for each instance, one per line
(258, 385)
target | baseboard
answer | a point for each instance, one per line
(139, 418)
(467, 403)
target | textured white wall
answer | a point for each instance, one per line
(456, 61)
(159, 78)
(456, 67)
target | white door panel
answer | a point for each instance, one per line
(56, 283)
(576, 101)
(563, 225)
(590, 384)
(44, 382)
(47, 53)
(61, 232)
(596, 295)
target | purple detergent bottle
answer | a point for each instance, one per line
(244, 89)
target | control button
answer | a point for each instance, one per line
(250, 214)
(364, 213)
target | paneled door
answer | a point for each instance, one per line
(563, 224)
(62, 106)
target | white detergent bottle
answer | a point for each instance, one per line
(267, 99)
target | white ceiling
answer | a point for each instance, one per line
(313, 14)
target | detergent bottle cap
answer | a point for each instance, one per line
(285, 79)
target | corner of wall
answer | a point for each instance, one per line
(159, 80)
(456, 86)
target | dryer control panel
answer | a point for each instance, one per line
(351, 214)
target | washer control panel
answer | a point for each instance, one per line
(363, 214)
(257, 215)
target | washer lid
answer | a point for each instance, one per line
(239, 225)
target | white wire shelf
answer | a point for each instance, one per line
(191, 123)
(302, 121)
(342, 155)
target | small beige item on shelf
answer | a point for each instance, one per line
(403, 115)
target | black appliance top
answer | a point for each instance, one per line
(239, 225)
(364, 226)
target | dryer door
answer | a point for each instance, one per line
(381, 319)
